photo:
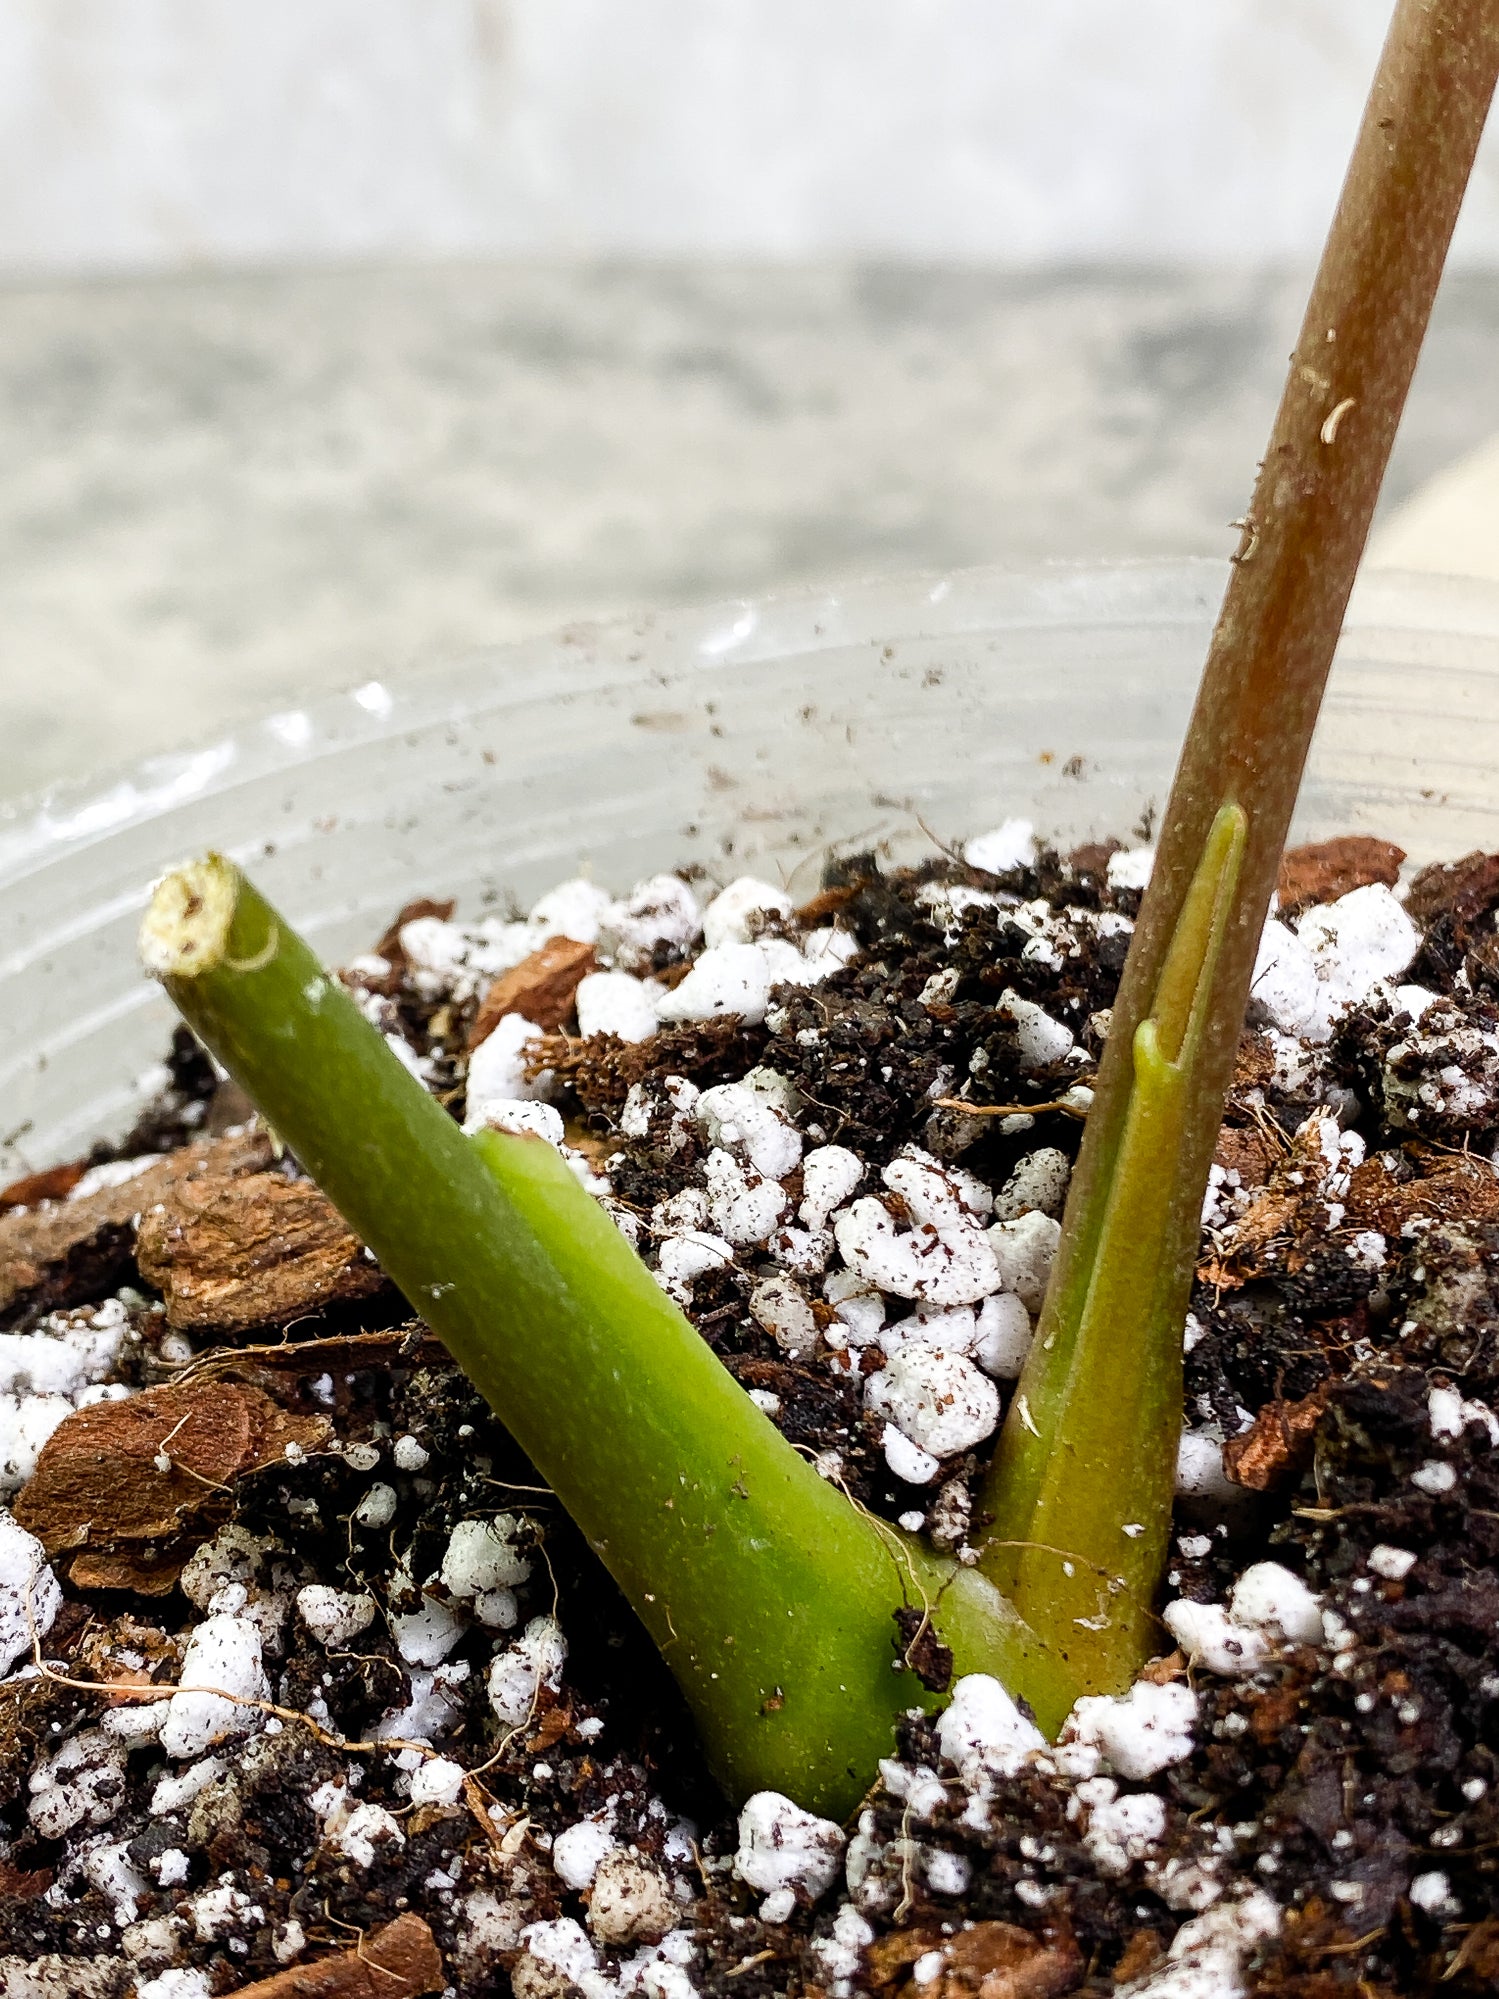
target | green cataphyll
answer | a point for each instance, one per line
(771, 1596)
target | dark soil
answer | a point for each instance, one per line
(1332, 1778)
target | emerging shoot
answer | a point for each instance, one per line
(1088, 1431)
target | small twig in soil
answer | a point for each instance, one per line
(1061, 1104)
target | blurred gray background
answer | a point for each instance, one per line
(339, 335)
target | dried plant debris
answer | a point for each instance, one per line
(1329, 869)
(127, 1489)
(542, 987)
(229, 1253)
(332, 1698)
(76, 1247)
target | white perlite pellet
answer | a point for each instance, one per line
(984, 1735)
(1038, 1184)
(1434, 1477)
(943, 1258)
(661, 911)
(1130, 868)
(1358, 941)
(1039, 1039)
(1206, 1957)
(30, 1596)
(561, 1948)
(1118, 1831)
(747, 1123)
(1394, 1564)
(83, 1784)
(378, 1506)
(533, 1662)
(497, 1067)
(223, 1654)
(439, 1781)
(367, 1832)
(578, 909)
(941, 1401)
(177, 1982)
(830, 1174)
(1270, 1598)
(334, 1616)
(1211, 1639)
(1010, 846)
(783, 1849)
(743, 1206)
(909, 1461)
(735, 978)
(615, 1003)
(1139, 1733)
(179, 1789)
(425, 1637)
(1023, 1251)
(779, 1305)
(577, 1852)
(481, 1555)
(737, 911)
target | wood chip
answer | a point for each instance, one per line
(1463, 890)
(389, 947)
(1254, 1064)
(1327, 869)
(129, 1488)
(1140, 1952)
(1445, 1187)
(1168, 1667)
(1093, 857)
(985, 1961)
(541, 987)
(827, 902)
(1265, 1235)
(1245, 1150)
(232, 1253)
(1277, 1446)
(1001, 1961)
(18, 1885)
(75, 1250)
(55, 1184)
(400, 1961)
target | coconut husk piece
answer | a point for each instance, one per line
(71, 1250)
(128, 1489)
(230, 1253)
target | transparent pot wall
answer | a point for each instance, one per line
(748, 736)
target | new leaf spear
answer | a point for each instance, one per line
(1080, 1489)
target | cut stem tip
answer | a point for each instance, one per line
(185, 930)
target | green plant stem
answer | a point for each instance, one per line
(1096, 1460)
(768, 1593)
(1246, 747)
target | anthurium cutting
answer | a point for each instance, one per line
(784, 1611)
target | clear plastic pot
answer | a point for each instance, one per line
(745, 736)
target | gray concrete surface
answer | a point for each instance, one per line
(222, 495)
